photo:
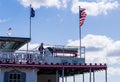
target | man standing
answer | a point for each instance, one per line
(41, 48)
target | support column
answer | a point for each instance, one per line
(106, 75)
(66, 79)
(73, 78)
(33, 72)
(57, 76)
(83, 77)
(63, 75)
(90, 74)
(93, 76)
(0, 75)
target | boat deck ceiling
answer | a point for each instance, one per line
(11, 44)
(72, 71)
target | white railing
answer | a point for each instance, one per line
(34, 56)
(19, 57)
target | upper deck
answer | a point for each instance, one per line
(9, 53)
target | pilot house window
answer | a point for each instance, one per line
(14, 77)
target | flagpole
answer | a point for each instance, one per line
(29, 27)
(79, 32)
(30, 23)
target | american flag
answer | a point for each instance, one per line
(82, 16)
(9, 31)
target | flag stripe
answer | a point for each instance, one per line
(82, 16)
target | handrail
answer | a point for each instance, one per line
(18, 57)
(35, 56)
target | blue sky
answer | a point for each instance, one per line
(56, 22)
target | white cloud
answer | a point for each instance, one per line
(45, 3)
(114, 49)
(108, 51)
(95, 8)
(114, 71)
(92, 8)
(30, 46)
(99, 48)
(97, 41)
(93, 41)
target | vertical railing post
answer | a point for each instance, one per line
(90, 74)
(66, 79)
(73, 78)
(33, 72)
(63, 74)
(0, 74)
(83, 77)
(105, 75)
(93, 76)
(57, 76)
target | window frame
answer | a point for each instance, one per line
(15, 77)
(14, 72)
